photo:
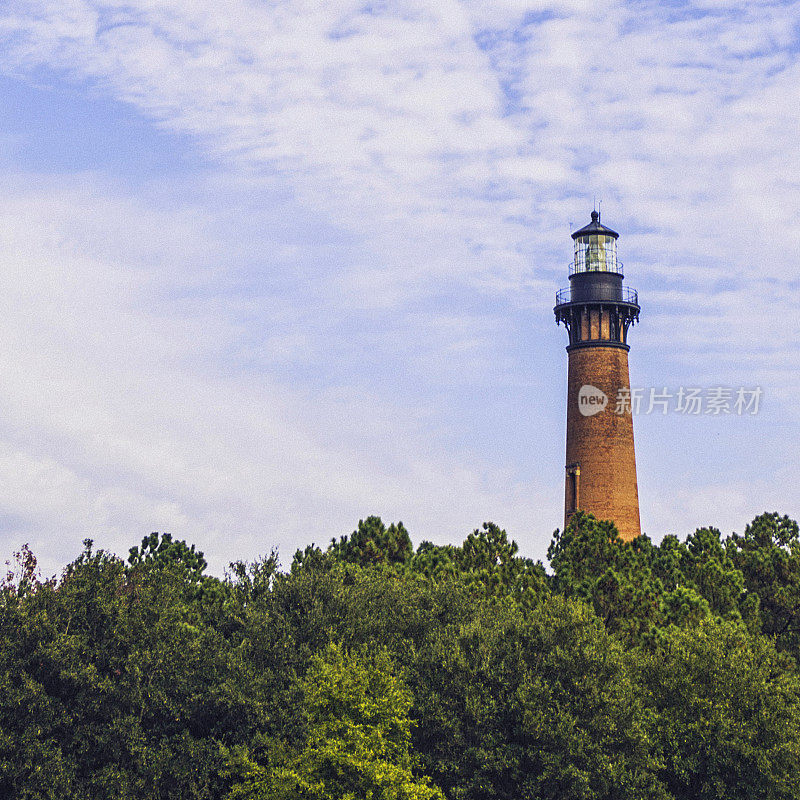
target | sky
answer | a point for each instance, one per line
(270, 267)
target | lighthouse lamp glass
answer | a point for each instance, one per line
(596, 253)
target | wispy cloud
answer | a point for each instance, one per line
(382, 225)
(125, 410)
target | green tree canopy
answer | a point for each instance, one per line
(373, 543)
(163, 551)
(358, 743)
(726, 709)
(635, 670)
(768, 555)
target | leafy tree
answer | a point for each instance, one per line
(488, 561)
(23, 576)
(433, 560)
(684, 607)
(311, 558)
(162, 550)
(373, 543)
(358, 743)
(637, 670)
(638, 588)
(591, 562)
(113, 685)
(768, 555)
(254, 581)
(491, 679)
(706, 566)
(726, 711)
(536, 704)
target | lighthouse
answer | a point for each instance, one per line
(597, 310)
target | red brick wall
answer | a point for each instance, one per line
(602, 444)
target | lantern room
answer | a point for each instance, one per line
(595, 248)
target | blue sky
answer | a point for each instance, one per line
(271, 267)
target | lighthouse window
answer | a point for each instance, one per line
(595, 253)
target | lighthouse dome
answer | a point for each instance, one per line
(595, 228)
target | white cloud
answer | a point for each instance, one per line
(117, 419)
(448, 144)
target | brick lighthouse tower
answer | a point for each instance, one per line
(597, 311)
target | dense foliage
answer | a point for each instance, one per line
(373, 671)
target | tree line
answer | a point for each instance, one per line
(370, 670)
